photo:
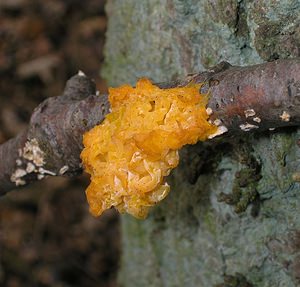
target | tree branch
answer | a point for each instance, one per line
(53, 141)
(243, 99)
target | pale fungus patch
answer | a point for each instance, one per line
(31, 159)
(30, 167)
(33, 152)
(19, 173)
(257, 119)
(217, 122)
(40, 176)
(63, 170)
(45, 171)
(209, 111)
(81, 74)
(249, 113)
(285, 116)
(221, 130)
(16, 177)
(247, 127)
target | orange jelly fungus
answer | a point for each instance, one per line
(136, 146)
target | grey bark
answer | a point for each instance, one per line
(193, 238)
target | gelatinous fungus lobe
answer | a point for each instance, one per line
(135, 148)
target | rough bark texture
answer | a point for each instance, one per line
(194, 237)
(53, 141)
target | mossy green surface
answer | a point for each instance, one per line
(191, 239)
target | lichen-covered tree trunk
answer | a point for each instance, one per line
(193, 239)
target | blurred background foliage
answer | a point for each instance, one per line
(47, 236)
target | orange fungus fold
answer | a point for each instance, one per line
(132, 151)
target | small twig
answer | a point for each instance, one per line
(243, 99)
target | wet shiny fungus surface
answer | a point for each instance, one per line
(129, 155)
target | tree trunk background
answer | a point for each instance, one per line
(191, 239)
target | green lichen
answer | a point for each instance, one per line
(210, 222)
(276, 28)
(244, 190)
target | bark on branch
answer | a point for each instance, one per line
(243, 99)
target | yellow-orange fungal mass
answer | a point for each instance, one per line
(135, 148)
